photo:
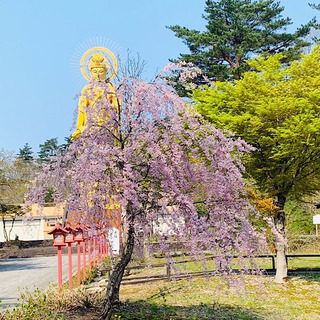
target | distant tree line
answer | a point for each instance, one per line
(17, 170)
(48, 149)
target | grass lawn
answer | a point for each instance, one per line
(210, 298)
(306, 262)
(198, 298)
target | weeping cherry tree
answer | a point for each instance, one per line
(153, 155)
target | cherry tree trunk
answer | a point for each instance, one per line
(281, 242)
(112, 296)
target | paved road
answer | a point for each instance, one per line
(20, 273)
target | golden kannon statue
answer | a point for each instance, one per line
(98, 70)
(98, 66)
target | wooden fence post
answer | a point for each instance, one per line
(273, 263)
(168, 271)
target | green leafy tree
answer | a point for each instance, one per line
(8, 214)
(236, 31)
(277, 111)
(11, 184)
(26, 153)
(299, 218)
(14, 174)
(48, 149)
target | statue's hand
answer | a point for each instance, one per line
(75, 135)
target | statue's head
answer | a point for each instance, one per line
(98, 67)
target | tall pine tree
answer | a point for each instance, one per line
(26, 153)
(237, 30)
(48, 149)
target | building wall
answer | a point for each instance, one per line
(25, 230)
(35, 225)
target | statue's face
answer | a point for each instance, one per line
(98, 74)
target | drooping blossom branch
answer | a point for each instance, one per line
(153, 153)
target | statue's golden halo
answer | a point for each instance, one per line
(110, 57)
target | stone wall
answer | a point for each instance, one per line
(29, 249)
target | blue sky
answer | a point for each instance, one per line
(40, 40)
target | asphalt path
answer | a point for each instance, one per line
(19, 274)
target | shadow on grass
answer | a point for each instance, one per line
(307, 276)
(142, 310)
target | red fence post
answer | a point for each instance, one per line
(59, 269)
(100, 247)
(79, 238)
(79, 264)
(69, 238)
(70, 267)
(94, 252)
(84, 260)
(107, 248)
(89, 253)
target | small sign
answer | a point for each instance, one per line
(316, 219)
(69, 236)
(114, 240)
(59, 238)
(78, 236)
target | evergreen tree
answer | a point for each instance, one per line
(236, 31)
(26, 153)
(63, 147)
(48, 149)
